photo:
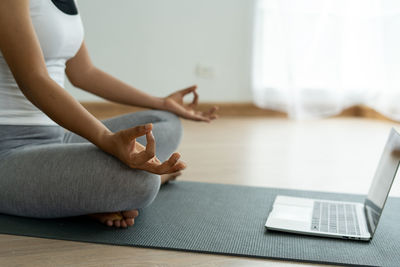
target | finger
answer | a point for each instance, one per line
(178, 167)
(210, 115)
(211, 112)
(195, 100)
(188, 90)
(203, 115)
(173, 159)
(131, 146)
(150, 151)
(164, 168)
(137, 131)
(169, 166)
(172, 165)
(214, 117)
(150, 145)
(142, 157)
(166, 165)
(196, 117)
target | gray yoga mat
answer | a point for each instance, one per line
(224, 219)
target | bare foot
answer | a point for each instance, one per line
(117, 219)
(127, 218)
(165, 178)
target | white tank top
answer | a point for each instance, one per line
(60, 33)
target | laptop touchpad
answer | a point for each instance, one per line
(293, 213)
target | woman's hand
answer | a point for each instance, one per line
(174, 103)
(123, 145)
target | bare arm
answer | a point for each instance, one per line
(83, 74)
(21, 50)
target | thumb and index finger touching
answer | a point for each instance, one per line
(138, 131)
(188, 90)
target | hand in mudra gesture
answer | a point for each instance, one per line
(123, 145)
(174, 103)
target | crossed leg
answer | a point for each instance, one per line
(167, 130)
(76, 178)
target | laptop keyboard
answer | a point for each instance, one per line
(338, 218)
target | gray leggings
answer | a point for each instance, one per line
(46, 172)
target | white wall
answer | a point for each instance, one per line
(156, 45)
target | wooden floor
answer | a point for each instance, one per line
(337, 154)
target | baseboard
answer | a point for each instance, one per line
(364, 112)
(104, 110)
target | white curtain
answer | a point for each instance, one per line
(314, 58)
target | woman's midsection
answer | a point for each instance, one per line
(19, 136)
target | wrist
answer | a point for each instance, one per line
(105, 141)
(159, 103)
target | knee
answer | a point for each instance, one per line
(143, 189)
(166, 122)
(151, 188)
(167, 129)
(173, 126)
(169, 117)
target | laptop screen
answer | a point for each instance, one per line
(382, 182)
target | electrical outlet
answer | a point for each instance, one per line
(204, 71)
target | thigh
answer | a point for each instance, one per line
(18, 136)
(62, 180)
(167, 129)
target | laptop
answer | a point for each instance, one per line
(338, 219)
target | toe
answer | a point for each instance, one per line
(130, 213)
(123, 224)
(130, 221)
(111, 219)
(169, 177)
